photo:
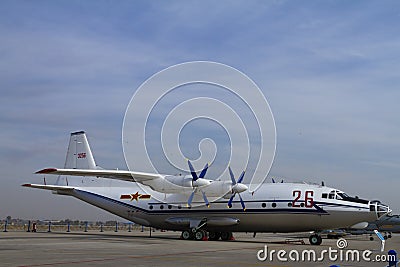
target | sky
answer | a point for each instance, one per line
(329, 70)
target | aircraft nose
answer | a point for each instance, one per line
(386, 210)
(379, 208)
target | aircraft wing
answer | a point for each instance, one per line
(113, 174)
(49, 187)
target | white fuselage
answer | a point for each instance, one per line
(275, 207)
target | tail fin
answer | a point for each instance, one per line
(79, 155)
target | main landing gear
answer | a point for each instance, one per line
(199, 235)
(194, 234)
(315, 239)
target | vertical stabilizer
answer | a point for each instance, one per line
(79, 155)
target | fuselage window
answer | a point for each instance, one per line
(263, 205)
(324, 195)
(161, 207)
(151, 207)
(274, 205)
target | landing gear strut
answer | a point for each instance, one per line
(315, 239)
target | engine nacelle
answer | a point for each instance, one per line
(185, 184)
(184, 180)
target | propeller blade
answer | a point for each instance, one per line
(190, 199)
(192, 171)
(232, 176)
(242, 202)
(241, 177)
(204, 171)
(273, 181)
(282, 181)
(230, 201)
(205, 199)
(235, 189)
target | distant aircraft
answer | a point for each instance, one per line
(387, 224)
(275, 207)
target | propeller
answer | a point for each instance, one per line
(194, 174)
(237, 188)
(196, 182)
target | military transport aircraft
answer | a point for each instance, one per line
(274, 207)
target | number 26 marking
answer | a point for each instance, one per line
(308, 200)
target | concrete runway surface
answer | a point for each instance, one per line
(166, 249)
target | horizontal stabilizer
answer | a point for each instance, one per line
(49, 187)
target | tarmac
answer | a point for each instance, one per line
(167, 249)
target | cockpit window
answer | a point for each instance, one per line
(346, 197)
(335, 194)
(372, 208)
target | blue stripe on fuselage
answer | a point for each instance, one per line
(317, 209)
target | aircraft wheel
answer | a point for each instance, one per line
(385, 237)
(214, 236)
(226, 236)
(390, 236)
(371, 238)
(186, 235)
(200, 234)
(315, 240)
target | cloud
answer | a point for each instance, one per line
(329, 72)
